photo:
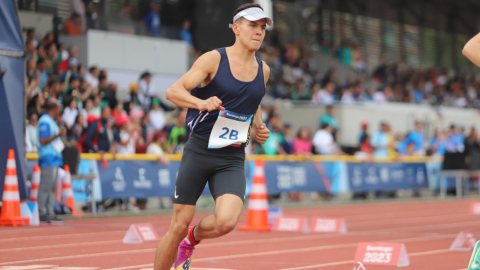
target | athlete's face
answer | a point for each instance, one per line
(250, 33)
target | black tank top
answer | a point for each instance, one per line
(236, 96)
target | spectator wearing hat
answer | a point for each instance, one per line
(146, 90)
(73, 26)
(363, 133)
(50, 149)
(131, 100)
(123, 137)
(151, 21)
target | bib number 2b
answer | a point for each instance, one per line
(230, 129)
(233, 134)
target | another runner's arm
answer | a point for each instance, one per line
(179, 94)
(472, 50)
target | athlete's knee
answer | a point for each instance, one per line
(179, 229)
(225, 225)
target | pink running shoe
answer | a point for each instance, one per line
(184, 257)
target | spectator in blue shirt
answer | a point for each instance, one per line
(438, 144)
(380, 141)
(455, 141)
(152, 20)
(50, 148)
(187, 36)
(414, 142)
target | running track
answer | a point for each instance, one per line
(426, 227)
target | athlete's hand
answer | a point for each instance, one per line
(262, 135)
(210, 104)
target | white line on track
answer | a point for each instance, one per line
(284, 251)
(62, 246)
(62, 236)
(352, 261)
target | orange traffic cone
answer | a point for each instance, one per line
(257, 217)
(11, 198)
(35, 183)
(67, 192)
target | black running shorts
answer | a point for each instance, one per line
(223, 169)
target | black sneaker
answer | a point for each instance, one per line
(44, 219)
(56, 220)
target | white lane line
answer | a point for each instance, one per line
(351, 261)
(60, 236)
(62, 245)
(276, 252)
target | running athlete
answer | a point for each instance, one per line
(222, 92)
(472, 50)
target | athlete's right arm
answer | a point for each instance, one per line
(472, 50)
(179, 94)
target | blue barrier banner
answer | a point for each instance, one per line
(386, 176)
(301, 176)
(141, 179)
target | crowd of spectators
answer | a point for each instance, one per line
(95, 120)
(294, 75)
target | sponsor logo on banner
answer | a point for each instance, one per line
(142, 181)
(372, 176)
(164, 177)
(420, 176)
(394, 254)
(357, 177)
(384, 175)
(289, 177)
(119, 183)
(290, 224)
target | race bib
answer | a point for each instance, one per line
(229, 129)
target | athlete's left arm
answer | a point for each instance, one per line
(472, 50)
(262, 133)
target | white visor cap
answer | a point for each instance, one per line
(252, 14)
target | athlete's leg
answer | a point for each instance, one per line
(168, 247)
(227, 211)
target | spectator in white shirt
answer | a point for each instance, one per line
(31, 134)
(70, 113)
(124, 140)
(325, 96)
(92, 77)
(323, 141)
(155, 147)
(157, 118)
(146, 90)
